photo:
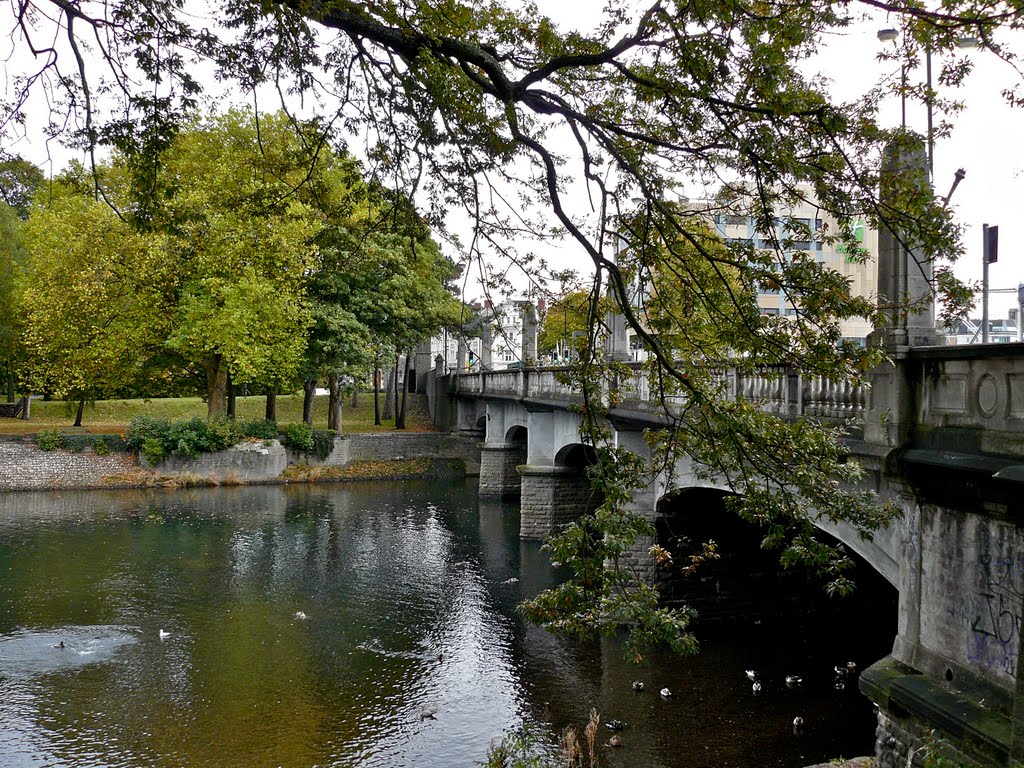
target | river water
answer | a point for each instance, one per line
(182, 646)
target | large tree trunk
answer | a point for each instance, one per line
(216, 385)
(389, 393)
(270, 414)
(376, 393)
(400, 421)
(308, 396)
(26, 409)
(80, 412)
(231, 397)
(334, 404)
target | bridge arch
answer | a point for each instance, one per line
(746, 579)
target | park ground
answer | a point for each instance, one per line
(113, 416)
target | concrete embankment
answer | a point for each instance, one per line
(24, 466)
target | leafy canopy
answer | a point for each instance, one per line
(492, 109)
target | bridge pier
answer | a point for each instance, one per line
(499, 476)
(551, 498)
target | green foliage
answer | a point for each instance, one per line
(195, 436)
(261, 429)
(522, 748)
(49, 439)
(323, 443)
(299, 436)
(144, 428)
(188, 437)
(152, 450)
(100, 446)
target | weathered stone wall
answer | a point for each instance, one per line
(499, 474)
(406, 445)
(250, 462)
(23, 466)
(904, 743)
(551, 497)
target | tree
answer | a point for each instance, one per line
(95, 297)
(19, 180)
(12, 257)
(242, 234)
(564, 328)
(495, 110)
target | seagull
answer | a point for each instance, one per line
(851, 667)
(164, 634)
(792, 681)
(841, 672)
(752, 675)
(427, 713)
(513, 580)
(300, 616)
(615, 725)
(638, 685)
(615, 740)
(840, 685)
(756, 687)
(666, 693)
(798, 726)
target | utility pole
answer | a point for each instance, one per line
(1020, 311)
(989, 255)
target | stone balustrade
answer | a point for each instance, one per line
(777, 389)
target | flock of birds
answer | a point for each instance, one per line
(843, 674)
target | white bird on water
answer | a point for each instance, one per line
(164, 634)
(300, 616)
(666, 693)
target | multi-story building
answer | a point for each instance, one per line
(862, 275)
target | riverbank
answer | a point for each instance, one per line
(25, 466)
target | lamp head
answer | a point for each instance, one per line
(888, 35)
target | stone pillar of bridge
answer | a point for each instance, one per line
(645, 502)
(551, 498)
(904, 280)
(499, 474)
(486, 342)
(528, 354)
(462, 355)
(617, 341)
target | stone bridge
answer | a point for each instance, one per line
(941, 433)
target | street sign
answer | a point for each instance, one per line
(990, 244)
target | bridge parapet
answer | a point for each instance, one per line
(777, 389)
(970, 399)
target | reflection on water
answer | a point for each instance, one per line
(408, 593)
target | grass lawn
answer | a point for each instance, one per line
(112, 416)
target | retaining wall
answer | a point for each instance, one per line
(25, 467)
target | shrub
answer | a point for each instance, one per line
(153, 451)
(323, 443)
(100, 446)
(299, 436)
(49, 439)
(143, 428)
(186, 438)
(220, 433)
(262, 429)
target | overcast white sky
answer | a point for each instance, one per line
(987, 143)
